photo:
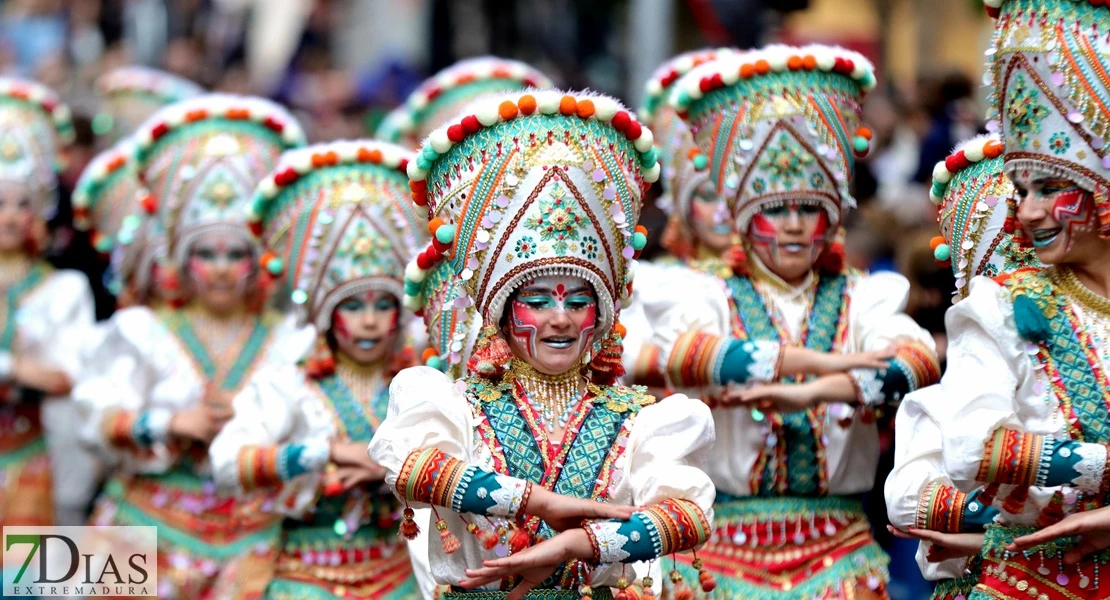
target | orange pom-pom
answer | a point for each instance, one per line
(585, 108)
(526, 104)
(433, 225)
(568, 105)
(620, 329)
(865, 132)
(747, 70)
(936, 241)
(428, 353)
(489, 539)
(809, 61)
(993, 149)
(519, 540)
(507, 110)
(794, 63)
(762, 67)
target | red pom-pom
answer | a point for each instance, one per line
(159, 130)
(621, 120)
(456, 133)
(150, 205)
(489, 539)
(274, 124)
(519, 540)
(634, 130)
(470, 124)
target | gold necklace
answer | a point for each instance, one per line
(1065, 279)
(553, 397)
(363, 381)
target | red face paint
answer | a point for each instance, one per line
(1074, 210)
(538, 310)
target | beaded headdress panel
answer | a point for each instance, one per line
(108, 193)
(977, 214)
(684, 165)
(338, 220)
(530, 184)
(202, 158)
(442, 95)
(779, 124)
(1051, 79)
(34, 128)
(132, 94)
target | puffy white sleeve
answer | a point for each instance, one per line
(669, 449)
(918, 460)
(269, 441)
(426, 411)
(697, 303)
(57, 335)
(877, 313)
(986, 363)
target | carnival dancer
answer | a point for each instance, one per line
(45, 312)
(344, 228)
(440, 96)
(534, 464)
(979, 227)
(1025, 413)
(779, 128)
(159, 386)
(129, 95)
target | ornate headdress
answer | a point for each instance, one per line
(202, 158)
(684, 166)
(338, 219)
(778, 124)
(977, 214)
(107, 193)
(1051, 76)
(530, 184)
(442, 95)
(34, 128)
(132, 94)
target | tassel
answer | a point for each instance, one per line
(1016, 500)
(489, 539)
(706, 579)
(681, 592)
(989, 492)
(491, 354)
(409, 528)
(332, 485)
(450, 543)
(622, 589)
(832, 258)
(647, 588)
(587, 592)
(519, 540)
(1030, 320)
(320, 363)
(607, 365)
(1052, 513)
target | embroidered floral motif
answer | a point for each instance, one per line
(1036, 288)
(1059, 143)
(486, 391)
(759, 185)
(620, 399)
(1017, 257)
(786, 162)
(765, 356)
(610, 542)
(526, 247)
(1024, 112)
(590, 247)
(558, 221)
(817, 181)
(1091, 467)
(869, 384)
(362, 252)
(508, 497)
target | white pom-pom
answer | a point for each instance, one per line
(414, 172)
(548, 102)
(174, 118)
(730, 76)
(419, 101)
(692, 85)
(858, 71)
(652, 175)
(993, 3)
(301, 162)
(439, 141)
(825, 61)
(347, 153)
(480, 71)
(292, 136)
(605, 109)
(974, 152)
(414, 273)
(644, 142)
(941, 174)
(516, 70)
(268, 187)
(936, 200)
(654, 88)
(144, 138)
(487, 113)
(412, 303)
(777, 62)
(62, 113)
(684, 64)
(81, 200)
(36, 94)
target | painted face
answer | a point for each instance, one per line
(710, 219)
(788, 238)
(220, 270)
(16, 215)
(364, 326)
(1057, 215)
(551, 322)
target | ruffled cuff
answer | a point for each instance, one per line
(1027, 459)
(946, 509)
(700, 359)
(668, 527)
(913, 367)
(130, 430)
(432, 477)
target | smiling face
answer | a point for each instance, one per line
(1059, 216)
(551, 322)
(16, 215)
(364, 326)
(710, 220)
(220, 270)
(788, 238)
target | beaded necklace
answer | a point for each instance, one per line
(554, 397)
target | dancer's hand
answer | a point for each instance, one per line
(218, 402)
(834, 362)
(945, 546)
(566, 512)
(351, 454)
(1092, 527)
(352, 477)
(780, 397)
(37, 375)
(198, 423)
(534, 564)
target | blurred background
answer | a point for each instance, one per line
(341, 64)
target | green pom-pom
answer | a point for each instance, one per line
(412, 288)
(868, 79)
(683, 97)
(102, 124)
(650, 157)
(860, 144)
(429, 153)
(275, 266)
(126, 236)
(939, 189)
(299, 296)
(434, 362)
(423, 163)
(639, 240)
(1030, 320)
(131, 222)
(943, 252)
(445, 234)
(701, 161)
